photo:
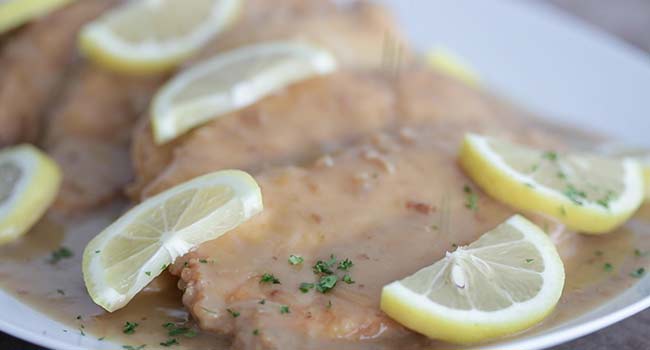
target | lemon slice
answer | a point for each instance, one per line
(642, 154)
(233, 80)
(589, 194)
(127, 255)
(29, 182)
(151, 36)
(453, 65)
(14, 13)
(507, 281)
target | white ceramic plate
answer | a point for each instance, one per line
(526, 51)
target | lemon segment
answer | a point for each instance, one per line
(507, 281)
(451, 64)
(131, 252)
(153, 36)
(29, 182)
(231, 81)
(14, 13)
(589, 194)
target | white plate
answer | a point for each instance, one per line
(537, 57)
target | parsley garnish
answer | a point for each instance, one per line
(608, 267)
(256, 331)
(550, 155)
(472, 199)
(575, 195)
(639, 253)
(325, 267)
(638, 273)
(305, 287)
(60, 254)
(60, 291)
(174, 330)
(203, 261)
(345, 265)
(233, 313)
(326, 283)
(295, 259)
(129, 327)
(170, 342)
(284, 309)
(262, 302)
(269, 278)
(148, 273)
(131, 347)
(162, 268)
(329, 304)
(347, 279)
(528, 261)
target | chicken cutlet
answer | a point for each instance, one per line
(357, 35)
(33, 66)
(330, 112)
(359, 205)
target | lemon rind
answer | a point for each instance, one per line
(169, 122)
(465, 327)
(98, 42)
(245, 190)
(34, 193)
(502, 182)
(18, 12)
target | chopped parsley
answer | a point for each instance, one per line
(575, 195)
(174, 330)
(148, 273)
(60, 254)
(326, 283)
(347, 279)
(203, 261)
(528, 261)
(608, 198)
(639, 253)
(325, 267)
(599, 253)
(262, 302)
(162, 268)
(129, 327)
(170, 342)
(60, 291)
(638, 273)
(256, 331)
(471, 202)
(561, 175)
(131, 347)
(329, 304)
(269, 278)
(97, 251)
(295, 259)
(550, 155)
(233, 313)
(534, 168)
(608, 267)
(284, 309)
(305, 287)
(345, 265)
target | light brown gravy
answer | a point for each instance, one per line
(597, 268)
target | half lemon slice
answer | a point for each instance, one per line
(127, 255)
(151, 36)
(14, 13)
(507, 281)
(29, 182)
(231, 81)
(588, 193)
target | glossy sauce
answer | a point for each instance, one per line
(597, 268)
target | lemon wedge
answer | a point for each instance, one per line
(447, 62)
(642, 154)
(127, 255)
(14, 13)
(507, 281)
(588, 193)
(152, 36)
(233, 80)
(29, 182)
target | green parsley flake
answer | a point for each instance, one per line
(347, 279)
(170, 342)
(203, 261)
(60, 254)
(256, 331)
(638, 273)
(131, 347)
(60, 291)
(608, 267)
(269, 278)
(528, 261)
(575, 195)
(639, 253)
(326, 283)
(148, 273)
(129, 327)
(325, 267)
(284, 309)
(174, 330)
(345, 265)
(305, 287)
(295, 259)
(233, 313)
(262, 302)
(550, 155)
(471, 201)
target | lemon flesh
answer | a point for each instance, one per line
(589, 194)
(453, 65)
(152, 36)
(507, 281)
(14, 13)
(231, 81)
(29, 182)
(126, 256)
